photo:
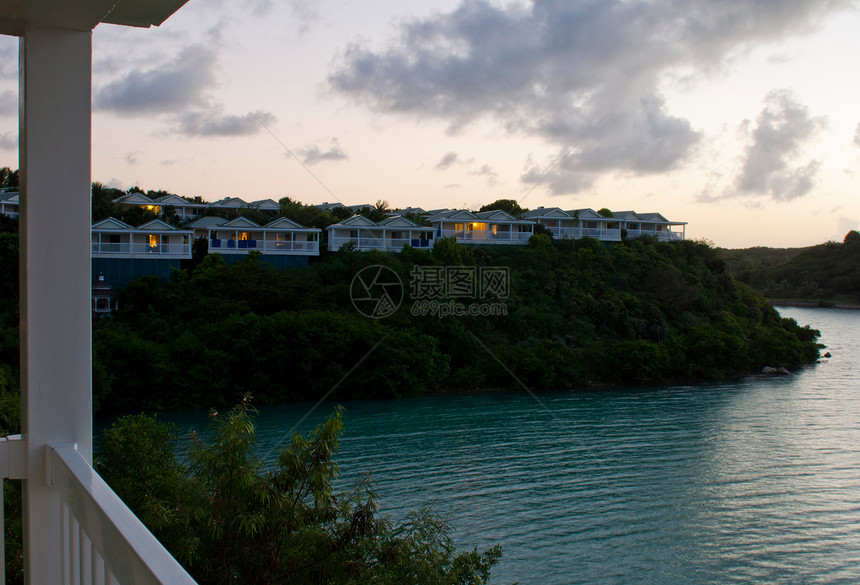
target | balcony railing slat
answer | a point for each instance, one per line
(97, 520)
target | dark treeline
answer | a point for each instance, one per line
(579, 314)
(826, 272)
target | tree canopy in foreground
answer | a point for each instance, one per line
(229, 518)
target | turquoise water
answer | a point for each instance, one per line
(754, 480)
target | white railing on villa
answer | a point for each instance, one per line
(291, 246)
(107, 248)
(478, 236)
(378, 243)
(101, 541)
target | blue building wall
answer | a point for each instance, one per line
(276, 260)
(120, 271)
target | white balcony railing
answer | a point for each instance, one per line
(488, 237)
(101, 541)
(378, 243)
(127, 249)
(300, 247)
(296, 247)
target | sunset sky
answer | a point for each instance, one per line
(741, 118)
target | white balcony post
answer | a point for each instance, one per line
(56, 326)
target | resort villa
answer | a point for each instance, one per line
(282, 242)
(122, 253)
(390, 234)
(487, 227)
(581, 223)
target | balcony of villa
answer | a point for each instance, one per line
(379, 243)
(490, 237)
(265, 246)
(167, 251)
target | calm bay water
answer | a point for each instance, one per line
(749, 481)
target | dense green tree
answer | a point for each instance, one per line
(510, 206)
(8, 178)
(229, 519)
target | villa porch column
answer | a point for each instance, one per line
(56, 295)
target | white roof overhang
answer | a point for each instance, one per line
(83, 14)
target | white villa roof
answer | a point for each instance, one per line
(658, 218)
(551, 212)
(207, 221)
(135, 199)
(326, 206)
(586, 213)
(230, 202)
(285, 224)
(354, 221)
(463, 214)
(156, 225)
(399, 221)
(499, 216)
(241, 222)
(177, 201)
(111, 224)
(114, 225)
(266, 204)
(626, 216)
(84, 14)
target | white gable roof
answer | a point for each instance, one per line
(354, 221)
(398, 221)
(267, 204)
(135, 199)
(463, 214)
(496, 215)
(283, 223)
(230, 202)
(551, 212)
(157, 225)
(655, 217)
(586, 213)
(241, 222)
(111, 224)
(177, 201)
(208, 221)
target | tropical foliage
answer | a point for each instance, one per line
(826, 272)
(577, 314)
(229, 519)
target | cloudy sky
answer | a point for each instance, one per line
(740, 117)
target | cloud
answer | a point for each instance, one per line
(857, 136)
(781, 130)
(312, 154)
(213, 123)
(165, 88)
(447, 161)
(8, 57)
(586, 72)
(8, 103)
(8, 141)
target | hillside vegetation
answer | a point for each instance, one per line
(826, 272)
(579, 314)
